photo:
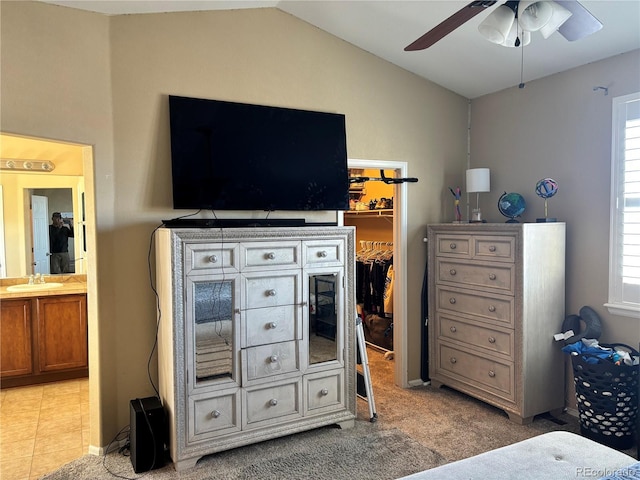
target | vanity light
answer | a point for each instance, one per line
(26, 165)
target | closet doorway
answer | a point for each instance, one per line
(379, 213)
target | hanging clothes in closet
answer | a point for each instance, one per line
(374, 292)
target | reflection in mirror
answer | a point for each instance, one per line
(323, 318)
(213, 316)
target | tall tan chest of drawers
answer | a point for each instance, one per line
(239, 357)
(496, 298)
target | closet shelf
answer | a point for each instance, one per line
(383, 212)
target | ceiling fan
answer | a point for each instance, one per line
(512, 23)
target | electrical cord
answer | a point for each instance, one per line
(126, 430)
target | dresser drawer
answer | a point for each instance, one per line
(497, 309)
(478, 371)
(269, 255)
(270, 360)
(323, 252)
(494, 248)
(453, 245)
(261, 326)
(323, 392)
(271, 289)
(212, 415)
(474, 335)
(264, 405)
(500, 277)
(208, 257)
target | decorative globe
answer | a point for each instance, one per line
(546, 188)
(511, 205)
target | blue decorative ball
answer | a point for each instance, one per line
(511, 205)
(546, 188)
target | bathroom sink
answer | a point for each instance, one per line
(25, 287)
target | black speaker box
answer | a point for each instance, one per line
(147, 437)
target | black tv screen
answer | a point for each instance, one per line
(236, 156)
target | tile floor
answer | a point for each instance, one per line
(42, 427)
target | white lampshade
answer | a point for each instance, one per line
(533, 15)
(558, 17)
(478, 180)
(496, 26)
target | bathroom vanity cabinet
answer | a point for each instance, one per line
(43, 339)
(241, 357)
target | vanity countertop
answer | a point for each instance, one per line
(72, 284)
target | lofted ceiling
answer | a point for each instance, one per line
(462, 61)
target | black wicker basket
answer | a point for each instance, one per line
(607, 396)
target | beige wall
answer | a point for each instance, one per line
(103, 81)
(559, 127)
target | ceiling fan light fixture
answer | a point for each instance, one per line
(497, 25)
(517, 33)
(559, 15)
(533, 15)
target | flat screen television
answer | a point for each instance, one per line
(236, 156)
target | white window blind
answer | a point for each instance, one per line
(624, 258)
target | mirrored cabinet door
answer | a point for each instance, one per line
(325, 316)
(211, 309)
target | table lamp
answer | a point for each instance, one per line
(478, 180)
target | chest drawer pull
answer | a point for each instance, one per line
(213, 259)
(322, 254)
(271, 255)
(492, 308)
(272, 325)
(216, 413)
(273, 358)
(273, 402)
(324, 392)
(452, 271)
(270, 293)
(492, 373)
(453, 360)
(492, 276)
(453, 329)
(492, 248)
(492, 339)
(452, 300)
(452, 246)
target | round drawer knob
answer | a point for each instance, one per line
(453, 329)
(452, 246)
(324, 392)
(492, 308)
(322, 254)
(453, 360)
(492, 340)
(492, 276)
(273, 402)
(271, 255)
(272, 325)
(492, 248)
(452, 300)
(271, 293)
(492, 373)
(452, 271)
(273, 358)
(215, 414)
(213, 259)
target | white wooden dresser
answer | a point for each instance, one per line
(496, 298)
(239, 359)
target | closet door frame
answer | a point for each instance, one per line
(399, 262)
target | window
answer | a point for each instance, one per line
(624, 256)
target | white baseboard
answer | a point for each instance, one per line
(418, 383)
(99, 451)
